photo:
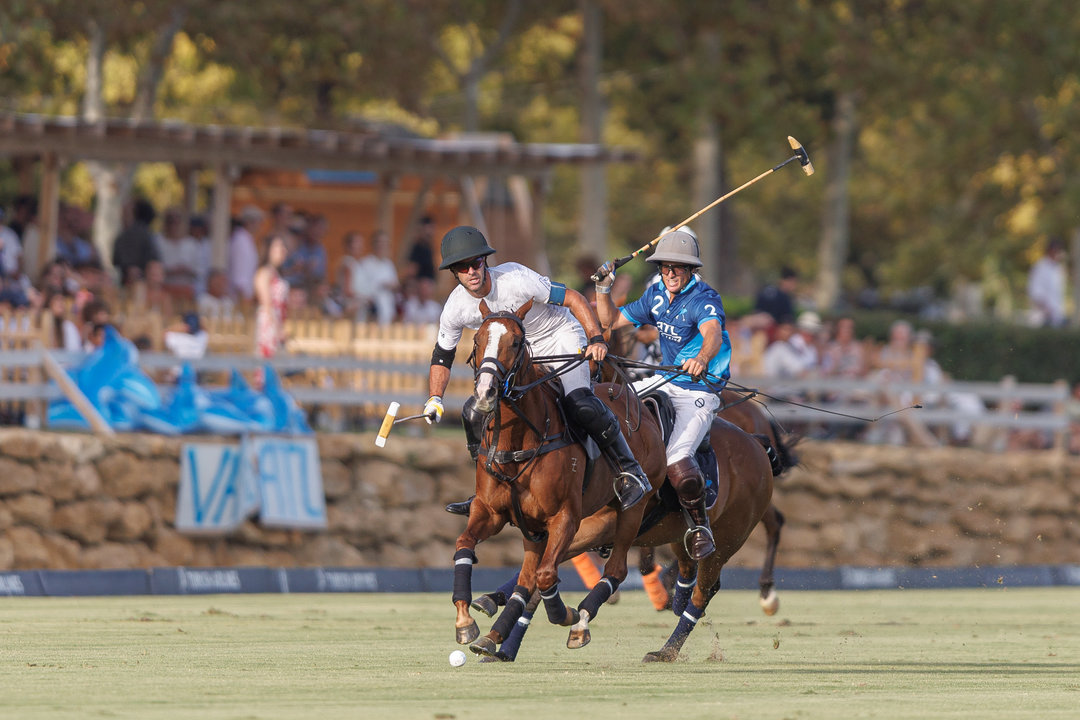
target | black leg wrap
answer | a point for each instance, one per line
(599, 595)
(553, 603)
(515, 605)
(464, 559)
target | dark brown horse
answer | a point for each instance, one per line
(749, 417)
(531, 474)
(744, 494)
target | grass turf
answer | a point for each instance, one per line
(1005, 653)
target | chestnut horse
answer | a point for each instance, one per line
(532, 474)
(744, 494)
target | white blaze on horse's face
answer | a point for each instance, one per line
(486, 389)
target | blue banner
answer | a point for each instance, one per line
(223, 484)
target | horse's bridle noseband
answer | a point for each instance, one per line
(504, 377)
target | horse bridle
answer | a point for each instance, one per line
(504, 377)
(510, 393)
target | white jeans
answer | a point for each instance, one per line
(694, 413)
(566, 341)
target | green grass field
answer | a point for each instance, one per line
(994, 653)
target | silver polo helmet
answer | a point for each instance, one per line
(679, 247)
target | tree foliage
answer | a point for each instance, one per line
(963, 159)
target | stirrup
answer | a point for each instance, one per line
(691, 534)
(633, 491)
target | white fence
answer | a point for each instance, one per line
(989, 409)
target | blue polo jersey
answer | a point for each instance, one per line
(679, 323)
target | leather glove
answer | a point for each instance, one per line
(433, 409)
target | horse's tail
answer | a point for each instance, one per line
(785, 449)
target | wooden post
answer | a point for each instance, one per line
(221, 216)
(48, 207)
(1060, 410)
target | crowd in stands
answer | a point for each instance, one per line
(277, 265)
(162, 261)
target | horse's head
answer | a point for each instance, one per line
(499, 349)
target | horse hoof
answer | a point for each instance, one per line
(484, 646)
(485, 604)
(665, 655)
(770, 603)
(578, 639)
(580, 636)
(614, 599)
(468, 633)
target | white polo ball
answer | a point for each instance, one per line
(457, 658)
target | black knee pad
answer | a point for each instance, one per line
(591, 414)
(472, 419)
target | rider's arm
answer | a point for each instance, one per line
(712, 338)
(583, 311)
(439, 373)
(609, 315)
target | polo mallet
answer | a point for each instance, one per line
(390, 420)
(800, 155)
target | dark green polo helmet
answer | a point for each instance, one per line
(462, 243)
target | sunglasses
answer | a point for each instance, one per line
(674, 269)
(466, 265)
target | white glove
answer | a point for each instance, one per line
(606, 272)
(433, 409)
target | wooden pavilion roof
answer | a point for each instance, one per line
(123, 140)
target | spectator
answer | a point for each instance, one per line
(151, 292)
(421, 260)
(135, 246)
(808, 339)
(282, 219)
(56, 278)
(181, 256)
(844, 355)
(421, 307)
(243, 255)
(896, 359)
(778, 301)
(70, 246)
(1046, 286)
(323, 298)
(215, 300)
(95, 316)
(968, 404)
(10, 251)
(200, 233)
(786, 357)
(305, 266)
(24, 224)
(380, 274)
(355, 289)
(64, 333)
(271, 297)
(188, 341)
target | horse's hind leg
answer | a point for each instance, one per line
(773, 520)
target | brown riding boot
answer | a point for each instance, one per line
(686, 478)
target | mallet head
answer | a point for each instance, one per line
(804, 159)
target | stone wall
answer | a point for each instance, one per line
(78, 501)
